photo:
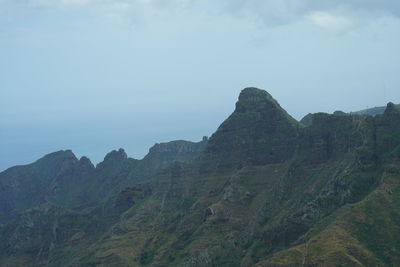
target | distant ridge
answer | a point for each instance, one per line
(372, 111)
(307, 119)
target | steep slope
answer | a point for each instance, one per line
(117, 171)
(265, 192)
(163, 155)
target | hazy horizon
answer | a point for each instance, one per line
(89, 149)
(97, 75)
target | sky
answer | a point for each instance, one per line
(97, 75)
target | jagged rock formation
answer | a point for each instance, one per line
(60, 178)
(264, 190)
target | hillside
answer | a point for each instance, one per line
(263, 190)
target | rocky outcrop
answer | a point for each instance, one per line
(129, 196)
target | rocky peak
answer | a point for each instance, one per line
(115, 155)
(112, 157)
(259, 131)
(254, 99)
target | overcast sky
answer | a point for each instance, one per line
(96, 75)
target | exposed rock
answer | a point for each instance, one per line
(127, 197)
(208, 212)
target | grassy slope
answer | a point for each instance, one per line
(170, 227)
(366, 233)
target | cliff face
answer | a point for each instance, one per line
(262, 191)
(162, 155)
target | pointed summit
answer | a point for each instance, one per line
(254, 99)
(259, 131)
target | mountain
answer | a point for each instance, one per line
(263, 190)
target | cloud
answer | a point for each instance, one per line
(334, 15)
(103, 3)
(335, 23)
(330, 14)
(59, 3)
(110, 8)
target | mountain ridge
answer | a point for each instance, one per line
(327, 195)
